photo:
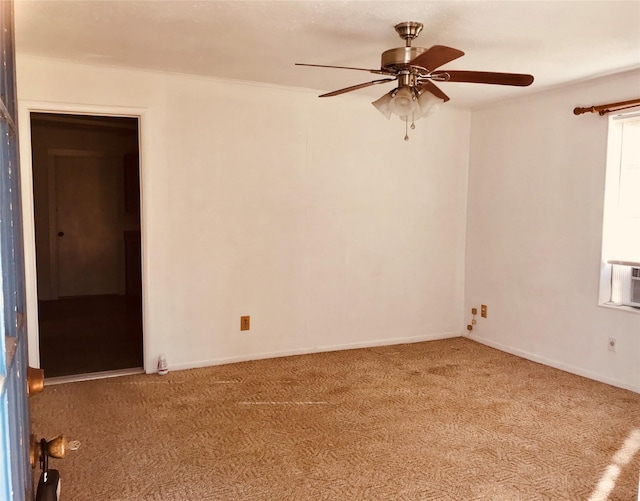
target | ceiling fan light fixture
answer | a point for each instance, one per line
(429, 103)
(382, 105)
(411, 118)
(404, 102)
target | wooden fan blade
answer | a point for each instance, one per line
(486, 77)
(356, 87)
(377, 72)
(434, 89)
(435, 57)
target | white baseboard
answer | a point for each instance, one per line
(558, 365)
(89, 376)
(306, 351)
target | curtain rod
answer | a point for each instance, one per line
(603, 109)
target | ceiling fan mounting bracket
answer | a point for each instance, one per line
(408, 30)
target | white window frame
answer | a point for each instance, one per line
(621, 215)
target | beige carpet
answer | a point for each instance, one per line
(443, 420)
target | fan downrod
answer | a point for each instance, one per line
(409, 30)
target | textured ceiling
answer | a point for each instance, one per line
(556, 41)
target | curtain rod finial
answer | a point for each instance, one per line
(580, 111)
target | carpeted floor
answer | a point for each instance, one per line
(442, 420)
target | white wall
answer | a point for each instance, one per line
(312, 216)
(536, 189)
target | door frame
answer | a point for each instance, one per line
(25, 108)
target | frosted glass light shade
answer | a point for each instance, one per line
(382, 105)
(403, 103)
(428, 103)
(405, 106)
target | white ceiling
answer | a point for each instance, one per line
(556, 41)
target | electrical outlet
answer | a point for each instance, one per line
(245, 323)
(613, 344)
(483, 310)
(474, 311)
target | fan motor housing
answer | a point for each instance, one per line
(398, 59)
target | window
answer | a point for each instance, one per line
(621, 221)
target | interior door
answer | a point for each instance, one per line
(15, 470)
(87, 226)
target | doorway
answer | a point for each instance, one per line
(87, 226)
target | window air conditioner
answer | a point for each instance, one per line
(634, 289)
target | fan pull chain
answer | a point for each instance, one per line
(406, 130)
(413, 122)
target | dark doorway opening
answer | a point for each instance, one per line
(86, 189)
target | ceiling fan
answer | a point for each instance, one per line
(414, 68)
